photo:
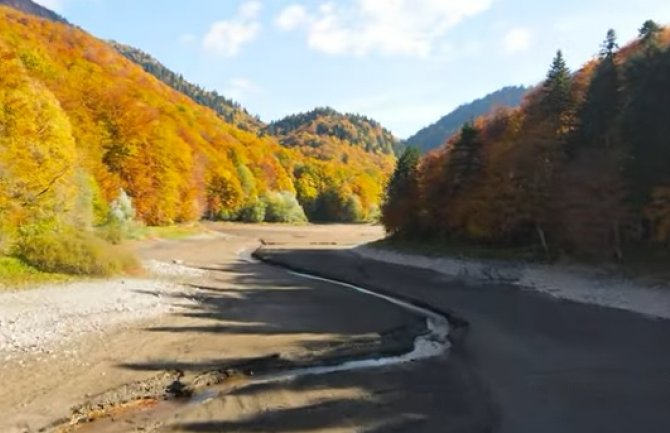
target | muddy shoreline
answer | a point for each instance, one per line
(544, 364)
(520, 362)
(237, 316)
(146, 402)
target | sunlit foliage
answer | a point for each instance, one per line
(79, 123)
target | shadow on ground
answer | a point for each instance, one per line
(260, 301)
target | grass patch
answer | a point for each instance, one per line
(460, 250)
(16, 274)
(74, 252)
(174, 232)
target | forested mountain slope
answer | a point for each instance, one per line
(436, 134)
(351, 140)
(229, 110)
(80, 122)
(323, 128)
(583, 167)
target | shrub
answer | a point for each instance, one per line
(353, 209)
(253, 213)
(11, 267)
(15, 273)
(70, 251)
(283, 207)
(120, 223)
(121, 209)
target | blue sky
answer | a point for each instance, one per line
(403, 62)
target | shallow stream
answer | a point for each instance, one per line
(433, 343)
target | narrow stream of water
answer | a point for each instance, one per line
(431, 344)
(434, 343)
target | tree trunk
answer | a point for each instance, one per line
(543, 240)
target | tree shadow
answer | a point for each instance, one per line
(255, 299)
(433, 397)
(314, 417)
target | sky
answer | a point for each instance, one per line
(405, 63)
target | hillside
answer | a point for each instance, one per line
(81, 123)
(436, 134)
(581, 168)
(229, 110)
(32, 8)
(321, 129)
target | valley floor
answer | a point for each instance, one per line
(521, 361)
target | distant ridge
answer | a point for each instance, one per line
(32, 8)
(322, 125)
(434, 135)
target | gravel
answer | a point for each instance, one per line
(175, 269)
(40, 319)
(576, 283)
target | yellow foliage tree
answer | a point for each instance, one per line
(37, 151)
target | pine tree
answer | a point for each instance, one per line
(400, 208)
(464, 159)
(592, 191)
(403, 176)
(609, 46)
(546, 133)
(649, 33)
(644, 121)
(556, 88)
(603, 101)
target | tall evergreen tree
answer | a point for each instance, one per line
(556, 90)
(649, 32)
(403, 175)
(609, 46)
(602, 104)
(464, 159)
(591, 190)
(400, 208)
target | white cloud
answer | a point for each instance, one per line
(517, 40)
(54, 5)
(228, 36)
(238, 88)
(391, 27)
(250, 9)
(291, 17)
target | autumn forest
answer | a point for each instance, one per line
(94, 134)
(581, 168)
(81, 124)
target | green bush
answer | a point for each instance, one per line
(120, 223)
(74, 252)
(253, 213)
(14, 273)
(353, 210)
(283, 207)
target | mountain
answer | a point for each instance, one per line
(436, 134)
(337, 140)
(229, 110)
(32, 8)
(323, 128)
(81, 122)
(333, 127)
